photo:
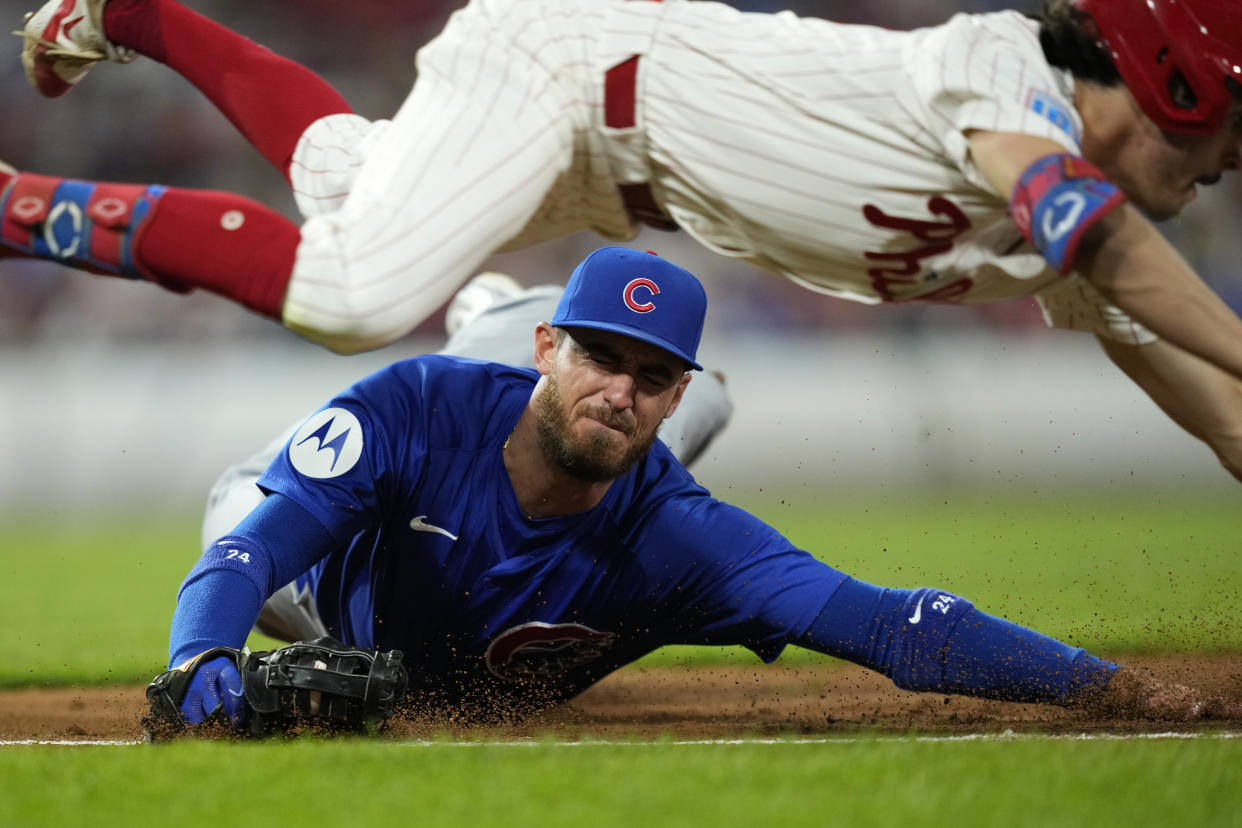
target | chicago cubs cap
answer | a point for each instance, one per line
(639, 295)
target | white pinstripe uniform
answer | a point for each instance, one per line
(833, 155)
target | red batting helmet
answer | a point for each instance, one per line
(1159, 44)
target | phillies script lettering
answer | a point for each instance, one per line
(900, 279)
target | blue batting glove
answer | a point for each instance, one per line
(215, 683)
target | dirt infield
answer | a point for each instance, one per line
(699, 702)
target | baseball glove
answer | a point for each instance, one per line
(322, 685)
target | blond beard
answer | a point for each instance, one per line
(589, 461)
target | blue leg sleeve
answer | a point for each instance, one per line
(926, 639)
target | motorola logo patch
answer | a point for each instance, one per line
(327, 445)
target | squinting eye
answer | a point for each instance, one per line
(603, 361)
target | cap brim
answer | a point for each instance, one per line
(632, 333)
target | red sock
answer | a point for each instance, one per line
(223, 243)
(270, 99)
(180, 239)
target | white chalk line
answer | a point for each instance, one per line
(68, 742)
(1005, 736)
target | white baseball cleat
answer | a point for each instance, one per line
(476, 296)
(64, 39)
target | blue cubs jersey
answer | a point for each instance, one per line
(405, 470)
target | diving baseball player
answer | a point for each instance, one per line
(518, 534)
(989, 157)
(491, 318)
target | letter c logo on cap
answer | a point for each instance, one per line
(632, 303)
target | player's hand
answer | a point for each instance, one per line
(269, 693)
(215, 684)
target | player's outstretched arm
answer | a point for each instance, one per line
(1076, 225)
(221, 598)
(1199, 397)
(1139, 271)
(934, 641)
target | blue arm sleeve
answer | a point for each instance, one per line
(926, 639)
(221, 597)
(733, 578)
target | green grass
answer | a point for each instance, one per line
(863, 783)
(88, 601)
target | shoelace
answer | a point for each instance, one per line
(119, 54)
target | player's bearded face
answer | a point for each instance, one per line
(594, 455)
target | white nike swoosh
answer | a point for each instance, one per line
(418, 524)
(918, 613)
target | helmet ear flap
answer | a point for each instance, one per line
(1180, 93)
